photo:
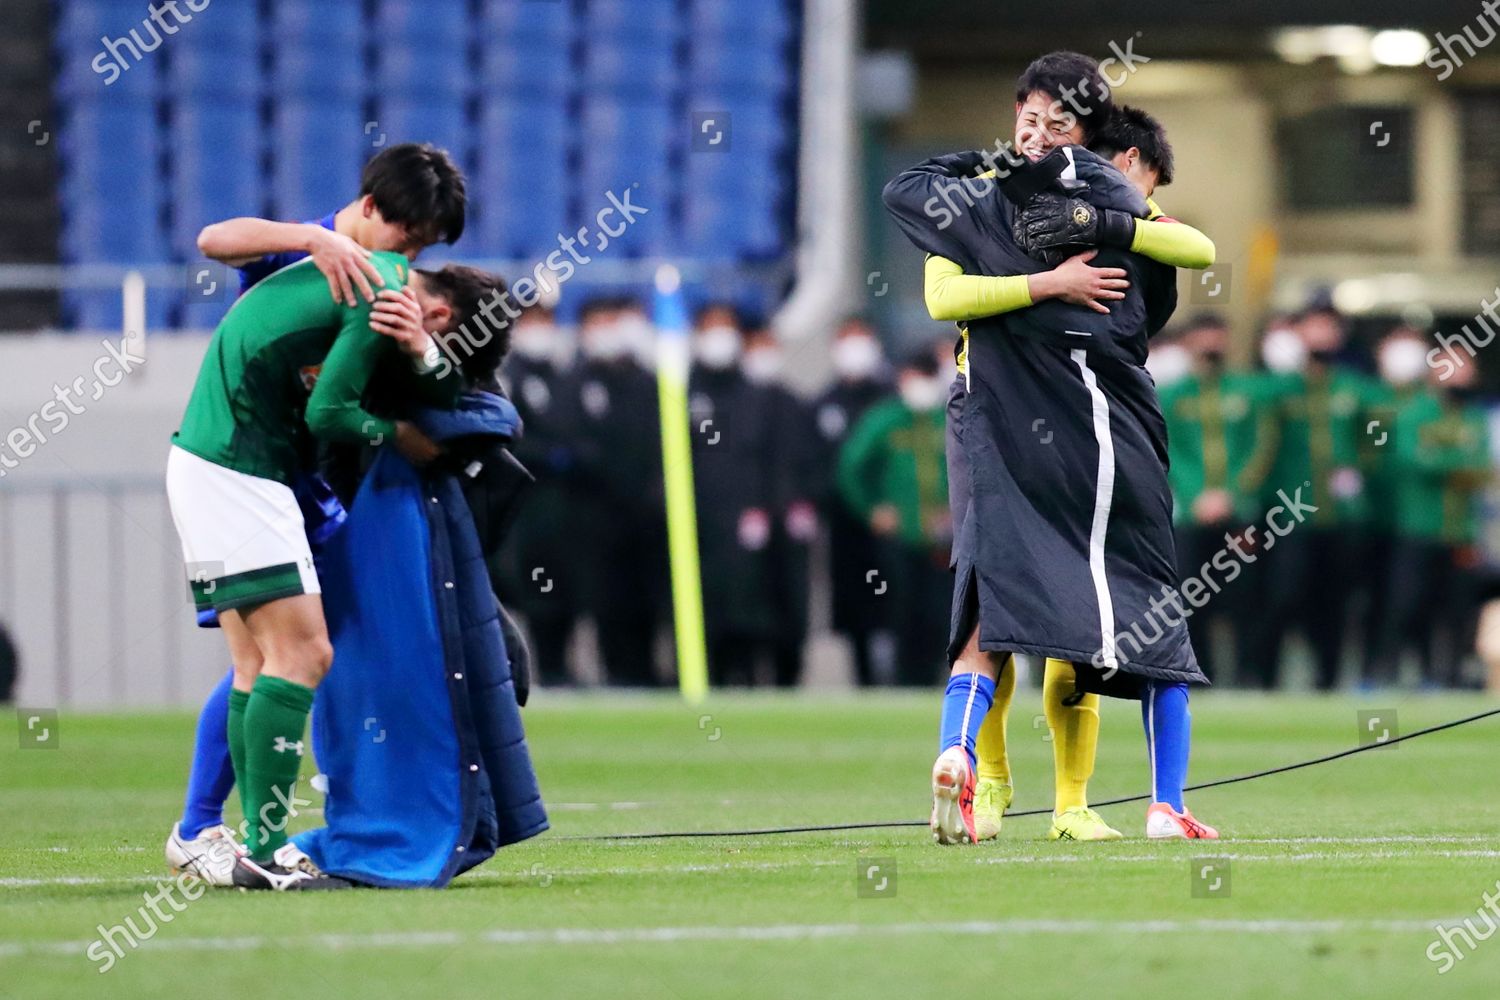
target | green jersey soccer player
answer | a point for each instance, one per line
(288, 364)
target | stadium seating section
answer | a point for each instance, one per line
(269, 107)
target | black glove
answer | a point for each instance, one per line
(1053, 227)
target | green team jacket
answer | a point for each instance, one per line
(1326, 436)
(895, 455)
(288, 359)
(1221, 435)
(1442, 463)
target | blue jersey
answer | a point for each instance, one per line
(258, 270)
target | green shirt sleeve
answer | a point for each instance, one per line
(859, 458)
(335, 411)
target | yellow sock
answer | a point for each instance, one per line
(989, 748)
(1075, 733)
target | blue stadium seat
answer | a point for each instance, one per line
(444, 24)
(631, 69)
(524, 68)
(615, 19)
(416, 71)
(745, 23)
(215, 147)
(756, 123)
(317, 149)
(199, 70)
(111, 188)
(331, 22)
(737, 67)
(523, 138)
(607, 122)
(520, 217)
(224, 25)
(334, 69)
(527, 21)
(77, 78)
(439, 121)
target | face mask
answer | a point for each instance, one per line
(604, 343)
(1283, 351)
(763, 365)
(534, 341)
(1213, 360)
(1323, 356)
(921, 393)
(717, 347)
(856, 356)
(1403, 361)
(638, 333)
(1169, 363)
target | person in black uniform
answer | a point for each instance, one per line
(858, 614)
(794, 521)
(733, 479)
(540, 575)
(617, 509)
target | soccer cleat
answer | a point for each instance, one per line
(290, 856)
(953, 798)
(251, 874)
(1165, 823)
(1081, 823)
(210, 856)
(991, 799)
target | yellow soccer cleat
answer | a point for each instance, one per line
(1081, 823)
(991, 799)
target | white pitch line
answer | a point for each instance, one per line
(774, 932)
(1221, 849)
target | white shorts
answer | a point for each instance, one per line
(242, 536)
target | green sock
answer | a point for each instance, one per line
(237, 701)
(275, 720)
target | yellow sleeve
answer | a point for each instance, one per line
(1173, 243)
(954, 296)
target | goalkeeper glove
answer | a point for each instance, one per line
(1054, 226)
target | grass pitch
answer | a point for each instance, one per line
(1329, 883)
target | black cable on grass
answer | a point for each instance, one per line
(835, 827)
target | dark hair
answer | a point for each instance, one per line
(718, 306)
(922, 360)
(595, 306)
(1131, 127)
(1203, 321)
(417, 185)
(468, 290)
(1075, 80)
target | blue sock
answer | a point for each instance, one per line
(212, 774)
(1169, 738)
(965, 702)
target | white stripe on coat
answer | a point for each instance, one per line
(1104, 491)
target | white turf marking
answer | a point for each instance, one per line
(980, 856)
(774, 932)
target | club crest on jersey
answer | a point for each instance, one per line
(309, 376)
(282, 746)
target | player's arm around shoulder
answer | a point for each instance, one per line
(1168, 241)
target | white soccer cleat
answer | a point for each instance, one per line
(953, 798)
(210, 856)
(1165, 823)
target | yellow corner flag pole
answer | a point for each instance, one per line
(677, 473)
